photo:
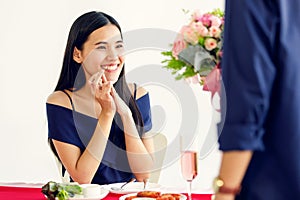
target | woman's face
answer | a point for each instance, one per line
(103, 51)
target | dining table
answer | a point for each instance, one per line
(33, 192)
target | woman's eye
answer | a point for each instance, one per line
(101, 47)
(120, 46)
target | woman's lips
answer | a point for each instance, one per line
(110, 67)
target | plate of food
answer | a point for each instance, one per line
(153, 195)
(74, 191)
(133, 187)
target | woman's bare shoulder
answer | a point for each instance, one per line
(140, 91)
(59, 98)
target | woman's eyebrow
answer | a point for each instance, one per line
(101, 42)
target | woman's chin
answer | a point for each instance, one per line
(112, 80)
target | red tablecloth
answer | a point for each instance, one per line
(20, 193)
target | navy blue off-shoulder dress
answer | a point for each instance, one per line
(75, 128)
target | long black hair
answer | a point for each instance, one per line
(72, 76)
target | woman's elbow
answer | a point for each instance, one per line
(140, 177)
(81, 178)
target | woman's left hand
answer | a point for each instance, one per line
(101, 89)
(121, 106)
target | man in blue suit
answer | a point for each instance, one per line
(260, 138)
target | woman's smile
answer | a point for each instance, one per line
(110, 67)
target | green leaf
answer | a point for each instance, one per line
(218, 12)
(62, 195)
(174, 72)
(74, 189)
(175, 64)
(189, 72)
(185, 11)
(61, 190)
(201, 41)
(167, 53)
(164, 61)
(179, 77)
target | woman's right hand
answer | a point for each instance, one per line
(121, 106)
(102, 90)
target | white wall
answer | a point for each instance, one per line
(33, 37)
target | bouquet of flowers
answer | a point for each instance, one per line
(197, 50)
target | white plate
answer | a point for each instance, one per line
(138, 198)
(183, 197)
(104, 192)
(132, 187)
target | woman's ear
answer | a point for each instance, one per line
(77, 55)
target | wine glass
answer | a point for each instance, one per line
(189, 165)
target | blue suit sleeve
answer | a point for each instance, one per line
(248, 75)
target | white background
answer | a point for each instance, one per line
(32, 40)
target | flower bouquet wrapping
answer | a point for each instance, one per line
(197, 50)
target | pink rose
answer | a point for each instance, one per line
(189, 35)
(215, 31)
(205, 19)
(200, 29)
(215, 21)
(178, 45)
(210, 44)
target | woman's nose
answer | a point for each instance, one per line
(112, 53)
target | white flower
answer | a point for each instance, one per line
(210, 44)
(215, 31)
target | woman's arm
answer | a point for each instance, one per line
(76, 162)
(82, 167)
(139, 151)
(70, 155)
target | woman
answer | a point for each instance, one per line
(96, 121)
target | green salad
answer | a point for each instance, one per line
(62, 191)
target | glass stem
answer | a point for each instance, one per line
(189, 190)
